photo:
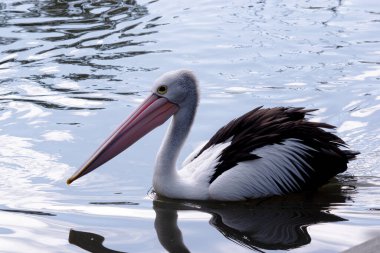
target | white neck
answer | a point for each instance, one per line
(166, 180)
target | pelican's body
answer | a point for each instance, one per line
(264, 152)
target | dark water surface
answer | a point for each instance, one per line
(71, 71)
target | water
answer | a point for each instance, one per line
(71, 71)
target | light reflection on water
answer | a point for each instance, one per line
(70, 71)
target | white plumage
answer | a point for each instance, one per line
(257, 178)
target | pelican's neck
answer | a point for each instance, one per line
(175, 138)
(165, 174)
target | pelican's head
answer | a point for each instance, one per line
(179, 87)
(172, 91)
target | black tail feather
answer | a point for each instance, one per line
(351, 154)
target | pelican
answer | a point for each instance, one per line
(265, 152)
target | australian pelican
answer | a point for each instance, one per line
(262, 153)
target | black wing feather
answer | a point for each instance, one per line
(267, 126)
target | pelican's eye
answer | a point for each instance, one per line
(162, 89)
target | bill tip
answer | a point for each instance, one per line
(69, 181)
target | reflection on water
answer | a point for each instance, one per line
(267, 224)
(275, 223)
(27, 212)
(89, 241)
(70, 71)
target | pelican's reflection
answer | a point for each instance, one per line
(278, 223)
